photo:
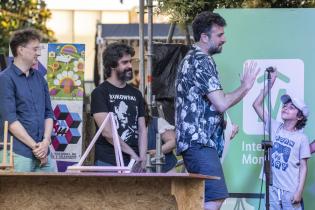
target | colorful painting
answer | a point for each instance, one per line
(65, 76)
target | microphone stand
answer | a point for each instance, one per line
(267, 144)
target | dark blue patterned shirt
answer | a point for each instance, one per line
(196, 118)
(27, 100)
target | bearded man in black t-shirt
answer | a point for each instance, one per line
(127, 104)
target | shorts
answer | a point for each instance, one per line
(204, 160)
(25, 164)
(281, 199)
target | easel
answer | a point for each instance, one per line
(4, 165)
(118, 154)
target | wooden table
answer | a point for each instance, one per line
(101, 191)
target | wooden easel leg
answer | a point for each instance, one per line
(4, 165)
(11, 155)
(5, 143)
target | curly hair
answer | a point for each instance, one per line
(22, 37)
(302, 122)
(113, 53)
(204, 21)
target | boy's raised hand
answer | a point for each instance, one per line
(273, 75)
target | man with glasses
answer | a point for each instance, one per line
(201, 103)
(25, 104)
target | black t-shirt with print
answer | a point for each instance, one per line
(127, 104)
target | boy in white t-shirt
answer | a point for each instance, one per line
(290, 150)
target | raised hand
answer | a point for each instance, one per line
(273, 76)
(249, 75)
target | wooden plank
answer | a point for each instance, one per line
(91, 174)
(125, 191)
(189, 193)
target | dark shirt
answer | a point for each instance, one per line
(25, 99)
(197, 120)
(127, 105)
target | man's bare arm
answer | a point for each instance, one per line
(223, 101)
(17, 129)
(143, 139)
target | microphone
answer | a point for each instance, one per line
(270, 69)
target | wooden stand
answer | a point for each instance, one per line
(98, 191)
(4, 165)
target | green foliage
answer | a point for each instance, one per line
(279, 3)
(19, 14)
(183, 11)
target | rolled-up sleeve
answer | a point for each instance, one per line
(7, 99)
(48, 110)
(206, 77)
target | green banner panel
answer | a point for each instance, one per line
(283, 38)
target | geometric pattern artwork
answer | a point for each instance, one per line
(65, 130)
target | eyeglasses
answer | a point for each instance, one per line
(35, 49)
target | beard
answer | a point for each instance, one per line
(124, 75)
(214, 50)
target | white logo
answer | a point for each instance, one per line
(290, 80)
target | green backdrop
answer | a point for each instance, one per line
(277, 37)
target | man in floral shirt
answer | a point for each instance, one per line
(201, 103)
